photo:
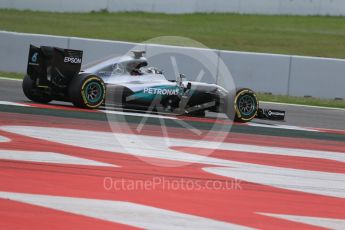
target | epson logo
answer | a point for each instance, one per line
(72, 60)
(161, 91)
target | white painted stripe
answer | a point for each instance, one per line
(152, 146)
(13, 103)
(291, 127)
(48, 157)
(10, 79)
(329, 223)
(138, 145)
(330, 184)
(138, 114)
(321, 183)
(298, 105)
(132, 214)
(4, 139)
(328, 155)
(288, 127)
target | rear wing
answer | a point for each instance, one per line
(53, 66)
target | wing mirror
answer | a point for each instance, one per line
(180, 79)
(189, 86)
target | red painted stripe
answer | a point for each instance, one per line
(154, 130)
(61, 107)
(335, 131)
(235, 206)
(184, 118)
(208, 120)
(15, 215)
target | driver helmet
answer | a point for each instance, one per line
(150, 70)
(134, 68)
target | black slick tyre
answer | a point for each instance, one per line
(87, 91)
(246, 105)
(33, 93)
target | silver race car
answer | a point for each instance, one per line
(129, 82)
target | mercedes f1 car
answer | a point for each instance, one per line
(128, 82)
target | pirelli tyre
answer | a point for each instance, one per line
(87, 91)
(34, 93)
(246, 105)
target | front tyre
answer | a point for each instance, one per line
(87, 91)
(34, 93)
(246, 105)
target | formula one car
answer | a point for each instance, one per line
(128, 82)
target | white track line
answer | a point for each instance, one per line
(128, 213)
(13, 103)
(328, 223)
(4, 139)
(138, 114)
(49, 157)
(313, 182)
(152, 146)
(288, 127)
(147, 115)
(10, 79)
(309, 181)
(298, 105)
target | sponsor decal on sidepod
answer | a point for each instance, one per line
(161, 91)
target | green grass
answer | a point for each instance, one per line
(315, 36)
(298, 35)
(12, 75)
(302, 100)
(261, 96)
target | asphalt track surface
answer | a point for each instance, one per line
(66, 168)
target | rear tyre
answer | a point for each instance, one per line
(246, 105)
(87, 91)
(33, 93)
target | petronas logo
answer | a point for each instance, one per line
(156, 91)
